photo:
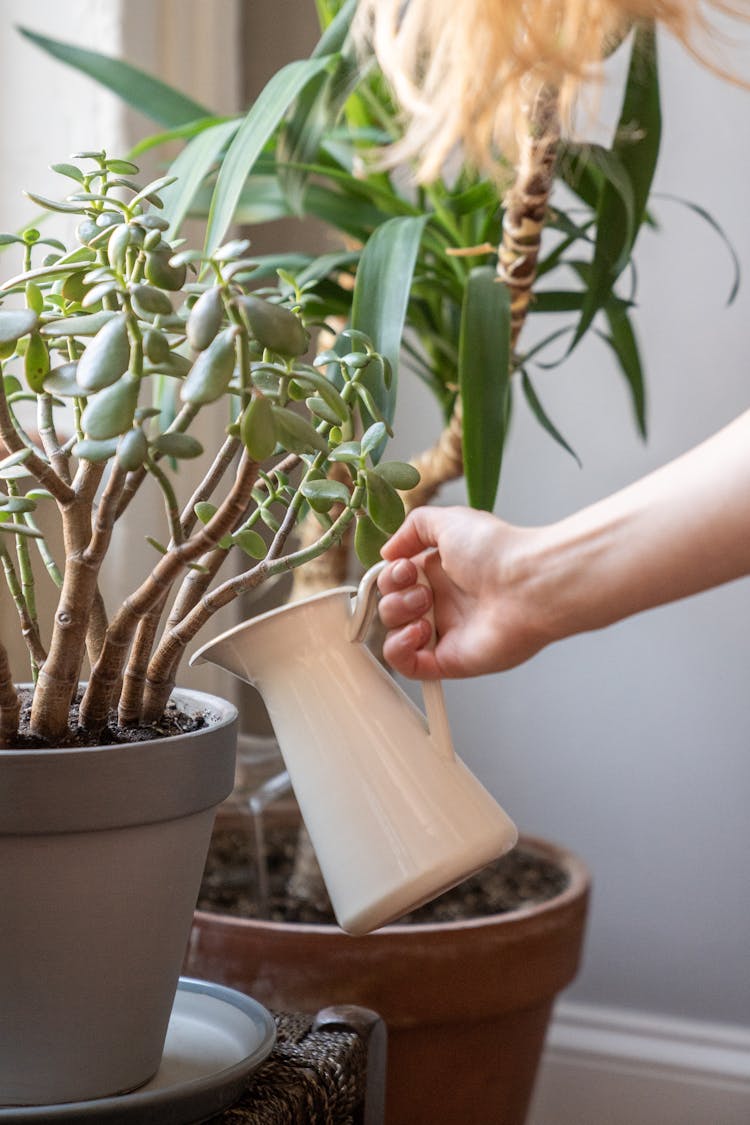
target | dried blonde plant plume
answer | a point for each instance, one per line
(465, 71)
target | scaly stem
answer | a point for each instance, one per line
(518, 254)
(58, 459)
(86, 546)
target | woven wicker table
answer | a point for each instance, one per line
(324, 1070)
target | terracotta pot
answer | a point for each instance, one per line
(101, 855)
(466, 1003)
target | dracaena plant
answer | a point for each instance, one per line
(111, 350)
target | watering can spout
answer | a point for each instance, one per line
(224, 653)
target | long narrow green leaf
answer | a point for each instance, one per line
(381, 294)
(179, 133)
(155, 99)
(624, 344)
(255, 131)
(637, 147)
(191, 168)
(543, 418)
(484, 376)
(707, 217)
(319, 106)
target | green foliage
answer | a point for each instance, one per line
(305, 149)
(126, 339)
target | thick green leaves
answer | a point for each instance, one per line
(399, 474)
(205, 319)
(107, 357)
(296, 434)
(62, 382)
(212, 371)
(132, 449)
(180, 446)
(147, 299)
(273, 326)
(484, 373)
(338, 408)
(110, 412)
(162, 103)
(368, 541)
(15, 323)
(251, 543)
(381, 295)
(323, 494)
(36, 363)
(257, 430)
(86, 325)
(384, 505)
(255, 131)
(95, 450)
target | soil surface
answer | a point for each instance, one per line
(523, 878)
(173, 721)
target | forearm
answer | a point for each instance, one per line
(680, 530)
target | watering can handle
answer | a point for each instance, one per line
(363, 611)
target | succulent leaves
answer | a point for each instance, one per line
(113, 333)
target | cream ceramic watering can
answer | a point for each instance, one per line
(394, 815)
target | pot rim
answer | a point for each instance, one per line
(578, 887)
(224, 713)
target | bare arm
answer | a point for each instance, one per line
(502, 593)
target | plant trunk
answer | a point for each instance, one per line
(518, 254)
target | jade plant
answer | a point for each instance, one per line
(112, 348)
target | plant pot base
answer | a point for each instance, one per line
(466, 1002)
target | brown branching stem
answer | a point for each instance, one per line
(179, 637)
(108, 670)
(36, 465)
(162, 670)
(58, 459)
(86, 543)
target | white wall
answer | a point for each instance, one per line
(48, 112)
(631, 746)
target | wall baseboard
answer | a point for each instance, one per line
(613, 1066)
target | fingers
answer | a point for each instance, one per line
(404, 649)
(401, 609)
(419, 531)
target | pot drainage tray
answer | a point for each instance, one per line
(216, 1038)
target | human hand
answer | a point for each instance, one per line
(477, 571)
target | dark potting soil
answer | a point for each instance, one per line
(522, 878)
(173, 721)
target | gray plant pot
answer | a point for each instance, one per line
(101, 856)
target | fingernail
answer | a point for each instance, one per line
(416, 599)
(402, 572)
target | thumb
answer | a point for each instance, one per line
(420, 530)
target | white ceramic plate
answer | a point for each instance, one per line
(216, 1039)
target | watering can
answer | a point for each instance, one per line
(394, 815)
